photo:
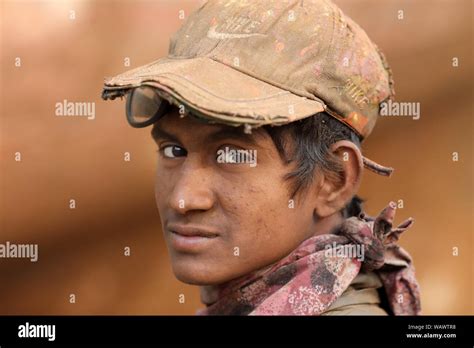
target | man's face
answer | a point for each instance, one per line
(223, 220)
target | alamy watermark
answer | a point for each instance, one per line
(237, 156)
(353, 251)
(80, 109)
(23, 251)
(409, 109)
(28, 330)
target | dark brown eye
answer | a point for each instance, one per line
(173, 151)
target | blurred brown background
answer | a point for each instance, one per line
(81, 251)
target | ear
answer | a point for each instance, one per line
(335, 192)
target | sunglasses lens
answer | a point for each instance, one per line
(143, 106)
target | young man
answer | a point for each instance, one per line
(258, 113)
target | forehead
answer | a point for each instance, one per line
(192, 127)
(173, 120)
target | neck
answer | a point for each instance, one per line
(327, 224)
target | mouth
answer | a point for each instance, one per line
(189, 238)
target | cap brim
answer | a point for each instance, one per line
(217, 92)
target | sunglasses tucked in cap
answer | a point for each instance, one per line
(258, 63)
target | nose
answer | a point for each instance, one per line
(192, 189)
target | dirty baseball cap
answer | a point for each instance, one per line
(271, 62)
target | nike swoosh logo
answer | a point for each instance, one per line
(213, 34)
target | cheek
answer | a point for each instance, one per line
(266, 228)
(163, 186)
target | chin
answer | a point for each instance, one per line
(191, 279)
(193, 272)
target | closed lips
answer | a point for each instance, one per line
(192, 231)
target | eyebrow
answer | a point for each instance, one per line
(158, 133)
(220, 134)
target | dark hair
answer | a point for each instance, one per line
(308, 142)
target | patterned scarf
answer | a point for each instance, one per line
(316, 273)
